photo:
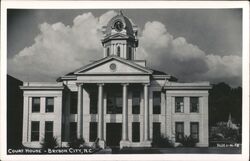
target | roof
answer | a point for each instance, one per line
(112, 57)
(42, 86)
(128, 25)
(187, 86)
(157, 72)
(71, 75)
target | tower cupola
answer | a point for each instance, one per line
(120, 37)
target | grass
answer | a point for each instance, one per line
(180, 150)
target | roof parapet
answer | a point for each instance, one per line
(42, 86)
(197, 85)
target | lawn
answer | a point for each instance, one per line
(179, 150)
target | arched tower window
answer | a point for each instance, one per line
(129, 53)
(108, 51)
(118, 52)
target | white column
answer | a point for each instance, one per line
(146, 113)
(79, 111)
(123, 51)
(115, 49)
(203, 129)
(58, 122)
(169, 107)
(125, 113)
(26, 112)
(104, 52)
(100, 111)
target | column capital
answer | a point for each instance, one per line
(100, 84)
(124, 84)
(79, 83)
(146, 84)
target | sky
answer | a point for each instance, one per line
(191, 44)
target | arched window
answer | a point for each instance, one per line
(118, 52)
(108, 51)
(129, 53)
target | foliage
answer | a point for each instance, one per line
(50, 142)
(96, 145)
(223, 133)
(224, 100)
(77, 143)
(162, 142)
(188, 141)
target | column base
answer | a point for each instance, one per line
(102, 144)
(124, 143)
(147, 143)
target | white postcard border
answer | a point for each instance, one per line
(128, 4)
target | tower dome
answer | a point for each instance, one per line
(120, 22)
(120, 37)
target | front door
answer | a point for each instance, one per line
(113, 134)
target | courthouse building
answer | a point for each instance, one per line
(117, 99)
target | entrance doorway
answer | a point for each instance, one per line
(113, 134)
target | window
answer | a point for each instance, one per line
(93, 102)
(135, 131)
(194, 130)
(48, 130)
(179, 131)
(129, 53)
(73, 131)
(118, 53)
(156, 130)
(108, 52)
(73, 103)
(35, 104)
(92, 131)
(179, 104)
(194, 104)
(156, 102)
(49, 104)
(136, 102)
(114, 102)
(35, 130)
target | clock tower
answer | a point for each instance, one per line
(120, 38)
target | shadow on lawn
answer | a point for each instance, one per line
(179, 150)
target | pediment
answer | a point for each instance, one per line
(112, 66)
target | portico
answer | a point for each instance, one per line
(125, 141)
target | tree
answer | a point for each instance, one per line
(224, 100)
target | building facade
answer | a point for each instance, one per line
(117, 99)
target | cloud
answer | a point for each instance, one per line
(224, 68)
(184, 60)
(59, 49)
(155, 35)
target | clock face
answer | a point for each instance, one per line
(118, 26)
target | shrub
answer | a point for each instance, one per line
(228, 134)
(188, 141)
(96, 145)
(50, 142)
(77, 143)
(162, 142)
